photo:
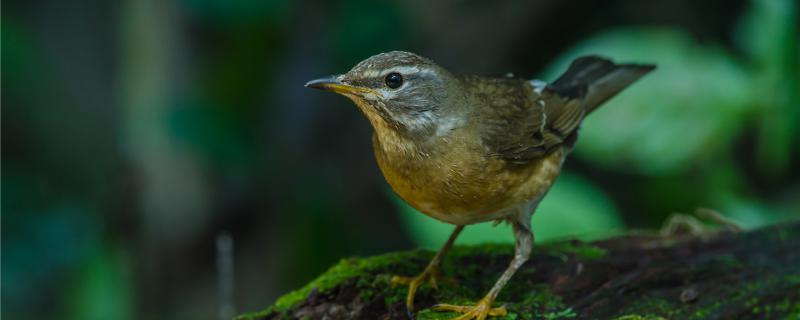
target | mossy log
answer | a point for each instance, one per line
(724, 275)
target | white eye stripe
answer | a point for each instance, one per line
(403, 70)
(370, 73)
(406, 71)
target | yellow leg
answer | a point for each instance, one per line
(430, 274)
(483, 308)
(479, 311)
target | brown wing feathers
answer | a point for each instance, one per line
(587, 83)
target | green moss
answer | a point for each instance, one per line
(490, 250)
(567, 313)
(346, 269)
(541, 301)
(655, 306)
(537, 303)
(541, 297)
(580, 250)
(411, 262)
(701, 314)
(754, 296)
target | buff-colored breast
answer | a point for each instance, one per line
(461, 184)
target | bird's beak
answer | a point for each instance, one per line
(333, 84)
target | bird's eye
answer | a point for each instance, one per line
(394, 80)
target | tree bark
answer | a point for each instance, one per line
(722, 275)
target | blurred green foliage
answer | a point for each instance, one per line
(701, 99)
(105, 276)
(688, 110)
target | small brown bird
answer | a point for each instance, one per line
(465, 149)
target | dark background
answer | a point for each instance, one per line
(140, 136)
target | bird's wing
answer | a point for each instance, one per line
(523, 121)
(532, 118)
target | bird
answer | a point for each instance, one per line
(466, 149)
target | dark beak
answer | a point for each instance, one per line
(333, 84)
(324, 83)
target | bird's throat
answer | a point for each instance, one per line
(394, 142)
(391, 136)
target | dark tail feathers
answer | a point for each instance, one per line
(597, 79)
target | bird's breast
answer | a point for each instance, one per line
(460, 183)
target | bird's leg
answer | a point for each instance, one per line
(430, 274)
(482, 309)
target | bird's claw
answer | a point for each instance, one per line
(430, 275)
(479, 311)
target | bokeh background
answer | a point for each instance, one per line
(162, 160)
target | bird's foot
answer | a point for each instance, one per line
(479, 311)
(430, 275)
(686, 224)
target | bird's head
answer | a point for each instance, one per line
(397, 90)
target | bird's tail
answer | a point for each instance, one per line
(597, 79)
